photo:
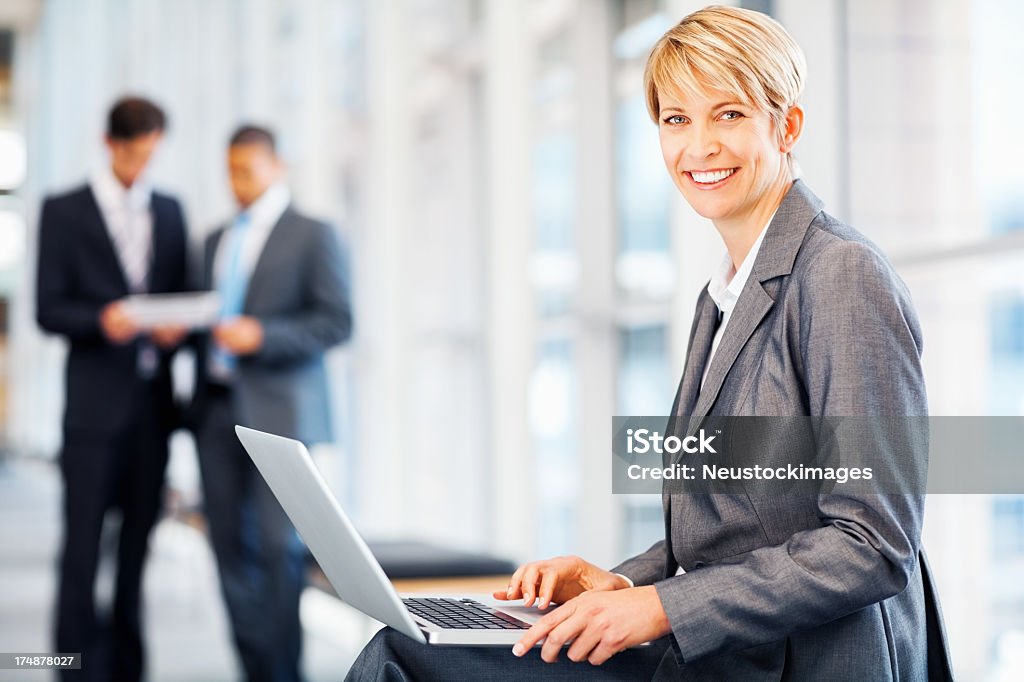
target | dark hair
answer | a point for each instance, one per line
(134, 116)
(250, 134)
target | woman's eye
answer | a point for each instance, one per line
(732, 115)
(675, 119)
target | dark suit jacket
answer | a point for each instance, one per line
(802, 587)
(78, 274)
(298, 290)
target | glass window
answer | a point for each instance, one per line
(1007, 540)
(644, 266)
(553, 423)
(553, 271)
(644, 387)
(645, 382)
(644, 270)
(1007, 375)
(554, 266)
(998, 53)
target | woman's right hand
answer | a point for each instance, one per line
(558, 580)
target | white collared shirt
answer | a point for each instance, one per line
(725, 289)
(263, 215)
(129, 222)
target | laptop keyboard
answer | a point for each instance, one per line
(462, 614)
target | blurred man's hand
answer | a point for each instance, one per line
(240, 335)
(168, 336)
(116, 324)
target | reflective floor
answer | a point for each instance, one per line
(186, 627)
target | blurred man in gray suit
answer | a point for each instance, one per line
(284, 296)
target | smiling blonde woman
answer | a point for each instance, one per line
(804, 317)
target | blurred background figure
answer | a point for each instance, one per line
(284, 296)
(112, 237)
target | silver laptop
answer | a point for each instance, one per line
(354, 572)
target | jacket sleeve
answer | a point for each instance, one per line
(59, 308)
(325, 319)
(646, 568)
(860, 352)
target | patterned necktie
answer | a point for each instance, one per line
(231, 286)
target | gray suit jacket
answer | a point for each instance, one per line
(299, 292)
(826, 587)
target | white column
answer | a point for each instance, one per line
(818, 27)
(509, 324)
(380, 299)
(32, 377)
(313, 152)
(599, 523)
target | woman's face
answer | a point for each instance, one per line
(723, 155)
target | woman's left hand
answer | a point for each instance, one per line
(599, 625)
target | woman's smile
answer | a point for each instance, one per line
(710, 179)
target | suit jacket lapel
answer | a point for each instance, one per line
(158, 246)
(751, 307)
(97, 226)
(274, 244)
(704, 324)
(210, 259)
(778, 251)
(701, 335)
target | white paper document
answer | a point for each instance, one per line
(193, 309)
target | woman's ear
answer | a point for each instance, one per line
(792, 128)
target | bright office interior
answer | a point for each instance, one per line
(522, 267)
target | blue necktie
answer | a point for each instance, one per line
(231, 286)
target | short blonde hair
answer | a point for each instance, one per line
(739, 51)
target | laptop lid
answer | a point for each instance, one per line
(347, 562)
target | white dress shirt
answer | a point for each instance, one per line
(263, 215)
(725, 288)
(129, 222)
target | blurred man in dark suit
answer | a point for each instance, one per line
(99, 243)
(284, 295)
